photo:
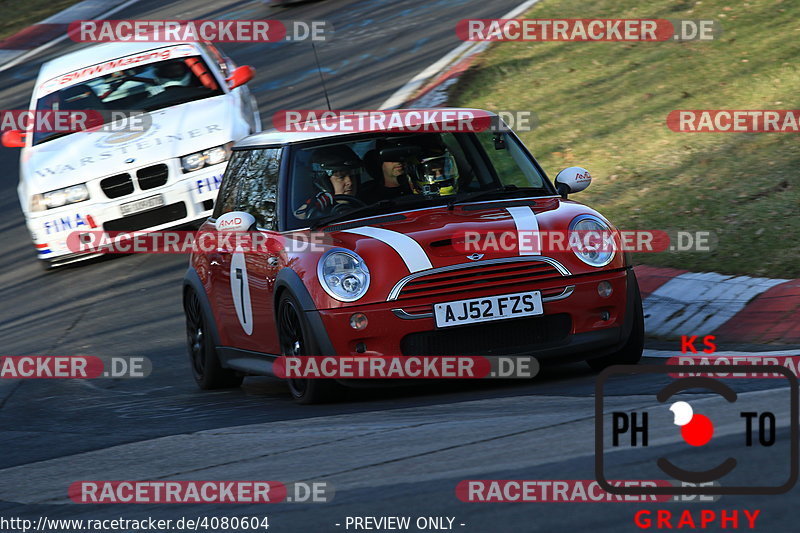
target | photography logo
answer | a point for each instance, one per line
(711, 437)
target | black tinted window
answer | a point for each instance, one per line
(257, 192)
(226, 201)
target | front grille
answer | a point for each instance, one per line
(504, 337)
(148, 219)
(480, 276)
(152, 177)
(116, 186)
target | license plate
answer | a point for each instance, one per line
(151, 202)
(488, 308)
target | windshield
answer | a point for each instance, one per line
(394, 172)
(144, 88)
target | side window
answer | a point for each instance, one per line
(218, 57)
(231, 183)
(510, 161)
(258, 189)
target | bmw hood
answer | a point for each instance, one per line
(83, 156)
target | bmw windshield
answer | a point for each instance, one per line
(140, 88)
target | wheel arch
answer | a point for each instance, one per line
(289, 281)
(192, 282)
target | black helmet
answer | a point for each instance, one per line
(330, 159)
(171, 70)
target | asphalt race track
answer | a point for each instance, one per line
(388, 452)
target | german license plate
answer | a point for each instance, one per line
(488, 308)
(151, 202)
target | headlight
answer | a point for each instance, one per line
(55, 198)
(343, 275)
(59, 197)
(212, 156)
(594, 241)
(77, 193)
(193, 162)
(37, 203)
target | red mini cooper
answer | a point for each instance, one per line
(403, 244)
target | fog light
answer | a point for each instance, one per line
(604, 289)
(605, 315)
(358, 321)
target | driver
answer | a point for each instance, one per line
(336, 172)
(173, 73)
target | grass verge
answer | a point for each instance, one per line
(604, 106)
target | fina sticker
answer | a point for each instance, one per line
(69, 222)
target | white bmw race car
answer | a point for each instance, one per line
(163, 173)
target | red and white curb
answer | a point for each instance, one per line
(733, 308)
(53, 30)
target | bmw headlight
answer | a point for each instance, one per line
(60, 197)
(343, 275)
(206, 158)
(592, 240)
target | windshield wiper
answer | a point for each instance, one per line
(489, 193)
(403, 201)
(53, 136)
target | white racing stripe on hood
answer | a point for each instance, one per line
(410, 251)
(525, 221)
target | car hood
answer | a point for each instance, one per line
(395, 246)
(82, 156)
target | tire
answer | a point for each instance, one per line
(204, 361)
(631, 352)
(295, 338)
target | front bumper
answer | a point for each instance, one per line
(571, 328)
(187, 198)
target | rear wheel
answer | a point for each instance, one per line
(631, 352)
(206, 368)
(296, 340)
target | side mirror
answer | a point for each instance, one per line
(14, 138)
(572, 180)
(235, 221)
(240, 76)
